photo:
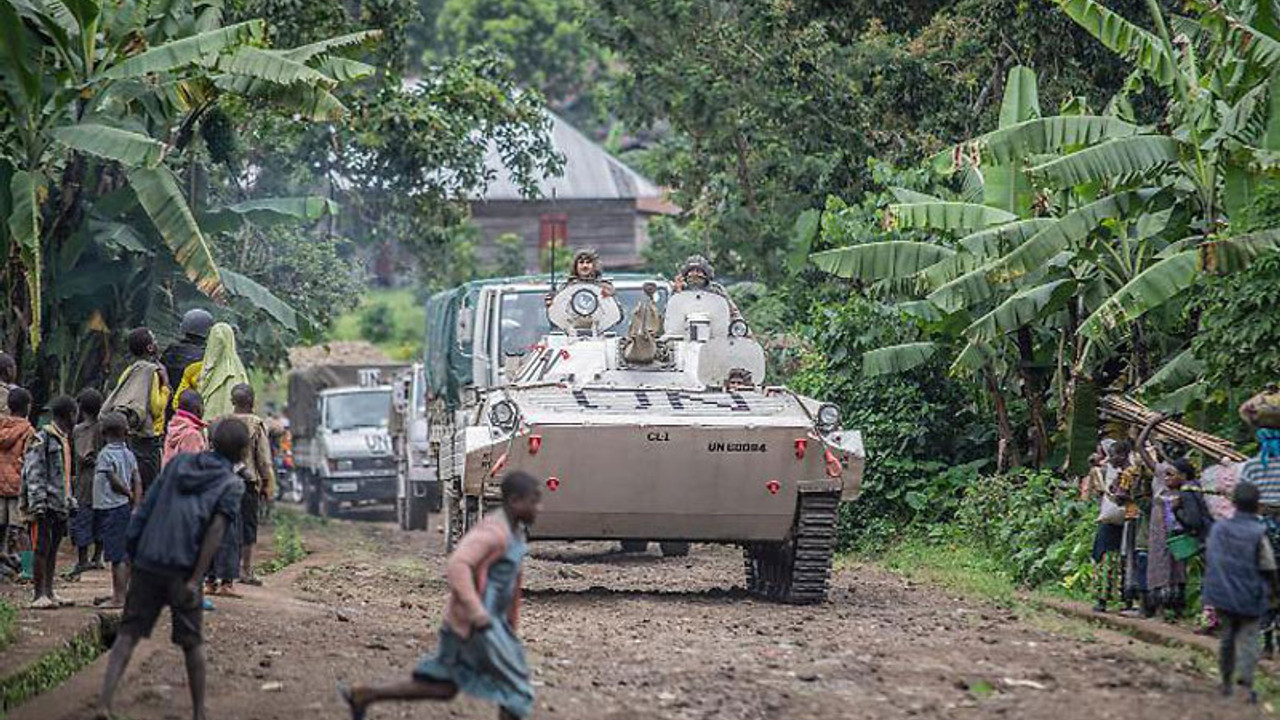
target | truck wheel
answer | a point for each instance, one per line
(674, 549)
(310, 494)
(797, 569)
(455, 521)
(415, 507)
(329, 507)
(635, 546)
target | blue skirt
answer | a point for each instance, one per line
(488, 665)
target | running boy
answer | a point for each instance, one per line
(478, 653)
(47, 498)
(171, 541)
(117, 488)
(15, 433)
(1240, 582)
(86, 441)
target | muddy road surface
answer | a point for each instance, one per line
(640, 637)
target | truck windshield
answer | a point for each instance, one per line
(356, 410)
(524, 317)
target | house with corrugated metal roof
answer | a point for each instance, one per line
(597, 202)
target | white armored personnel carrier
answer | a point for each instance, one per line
(669, 433)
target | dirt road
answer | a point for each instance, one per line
(624, 637)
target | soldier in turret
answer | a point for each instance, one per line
(697, 274)
(585, 268)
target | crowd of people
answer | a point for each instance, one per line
(1159, 516)
(161, 481)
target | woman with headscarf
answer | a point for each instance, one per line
(215, 375)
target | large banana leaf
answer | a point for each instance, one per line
(268, 211)
(1112, 159)
(1222, 257)
(1252, 42)
(1123, 37)
(907, 195)
(1005, 185)
(1001, 239)
(967, 290)
(311, 102)
(947, 215)
(303, 53)
(344, 69)
(803, 233)
(972, 358)
(243, 287)
(200, 49)
(892, 259)
(272, 67)
(1182, 369)
(1020, 309)
(124, 146)
(13, 43)
(1146, 291)
(1068, 231)
(1041, 136)
(25, 189)
(1082, 426)
(158, 193)
(897, 358)
(979, 248)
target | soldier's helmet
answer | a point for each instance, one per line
(196, 322)
(700, 264)
(587, 254)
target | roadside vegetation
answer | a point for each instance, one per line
(287, 535)
(8, 623)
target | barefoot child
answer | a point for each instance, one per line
(478, 652)
(86, 441)
(117, 488)
(171, 541)
(47, 498)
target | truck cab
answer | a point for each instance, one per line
(343, 446)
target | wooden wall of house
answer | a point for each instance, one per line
(613, 227)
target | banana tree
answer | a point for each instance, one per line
(99, 99)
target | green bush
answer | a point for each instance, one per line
(1033, 523)
(376, 323)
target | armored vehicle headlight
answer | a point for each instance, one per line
(738, 328)
(828, 417)
(504, 415)
(584, 302)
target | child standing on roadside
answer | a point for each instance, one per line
(117, 488)
(15, 433)
(171, 541)
(86, 441)
(1241, 583)
(478, 652)
(47, 498)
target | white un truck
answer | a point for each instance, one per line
(343, 451)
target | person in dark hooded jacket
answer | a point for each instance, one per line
(171, 541)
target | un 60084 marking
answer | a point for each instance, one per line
(736, 447)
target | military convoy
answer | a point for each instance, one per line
(646, 415)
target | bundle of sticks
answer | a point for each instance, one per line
(1127, 410)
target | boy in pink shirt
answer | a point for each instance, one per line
(187, 432)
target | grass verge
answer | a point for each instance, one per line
(969, 571)
(289, 547)
(54, 668)
(8, 623)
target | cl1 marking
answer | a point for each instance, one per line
(658, 437)
(734, 447)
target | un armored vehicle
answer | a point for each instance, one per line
(665, 432)
(339, 416)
